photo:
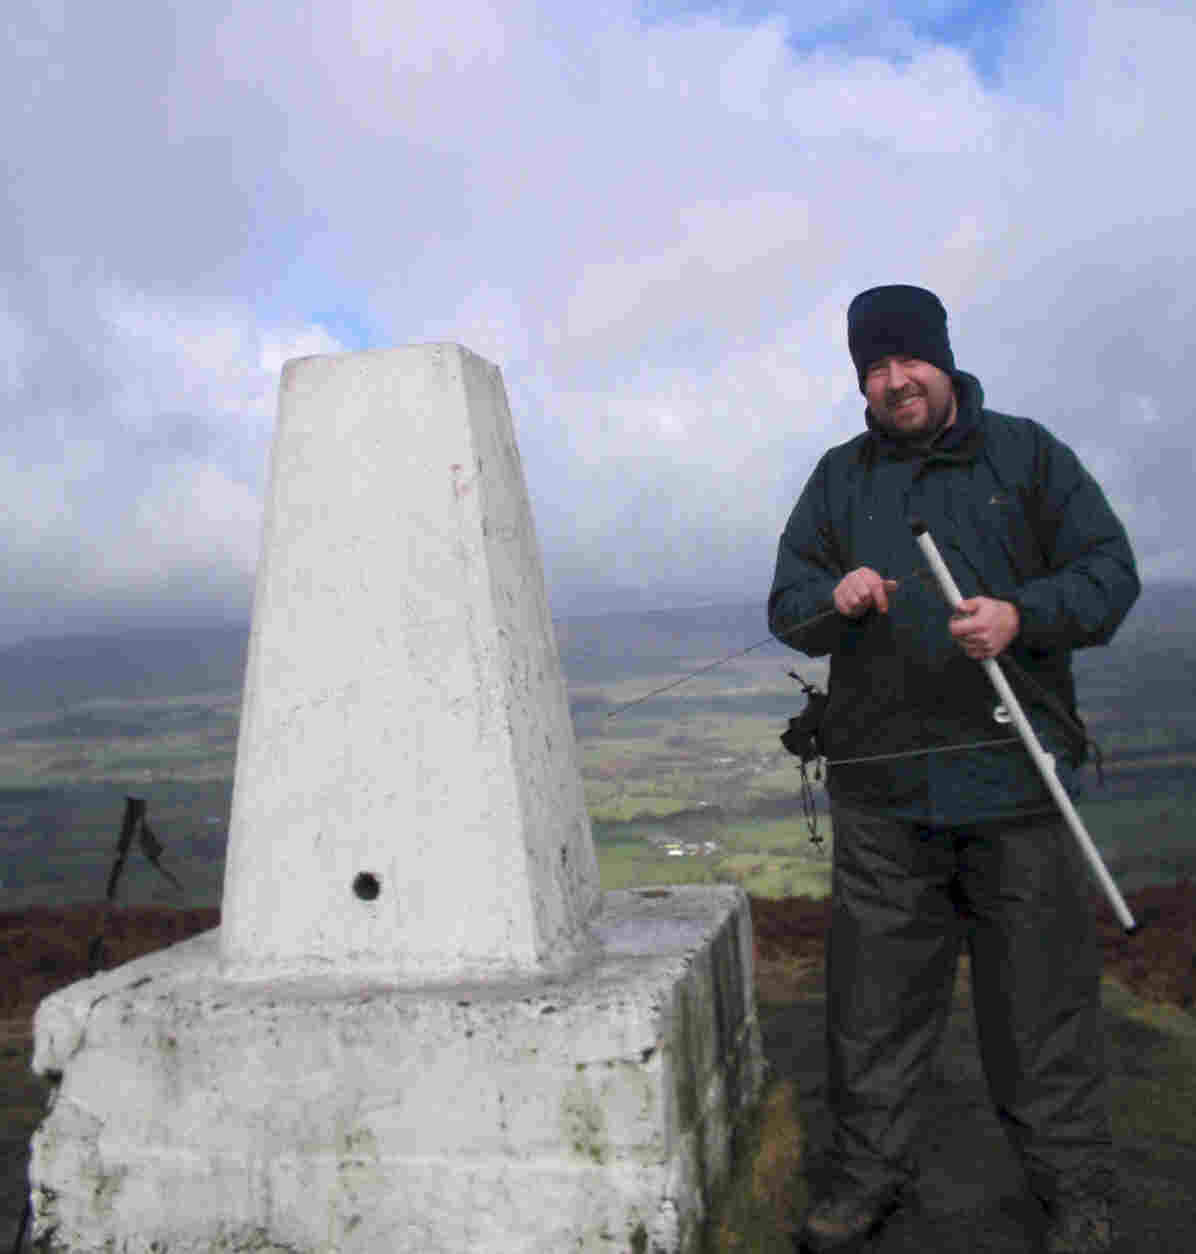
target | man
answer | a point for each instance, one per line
(940, 834)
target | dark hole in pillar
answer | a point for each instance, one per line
(366, 885)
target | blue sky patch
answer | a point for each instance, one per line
(981, 28)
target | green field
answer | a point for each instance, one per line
(690, 786)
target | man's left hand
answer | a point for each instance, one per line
(984, 626)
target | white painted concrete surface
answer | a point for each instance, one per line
(589, 1112)
(407, 797)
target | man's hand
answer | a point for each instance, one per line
(861, 590)
(984, 626)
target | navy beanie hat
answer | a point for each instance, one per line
(898, 319)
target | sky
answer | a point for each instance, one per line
(650, 216)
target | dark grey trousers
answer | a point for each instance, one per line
(904, 898)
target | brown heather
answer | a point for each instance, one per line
(44, 947)
(1158, 963)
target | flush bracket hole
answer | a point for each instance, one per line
(366, 886)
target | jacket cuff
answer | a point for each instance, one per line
(1035, 611)
(819, 637)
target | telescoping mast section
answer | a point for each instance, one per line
(1043, 760)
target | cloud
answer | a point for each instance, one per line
(652, 222)
(141, 489)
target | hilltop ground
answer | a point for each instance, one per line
(972, 1200)
(972, 1197)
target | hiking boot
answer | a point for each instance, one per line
(1080, 1225)
(842, 1223)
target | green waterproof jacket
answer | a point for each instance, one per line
(1016, 517)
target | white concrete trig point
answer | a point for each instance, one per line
(420, 1028)
(407, 797)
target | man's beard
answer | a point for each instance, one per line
(936, 420)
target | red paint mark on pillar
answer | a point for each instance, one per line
(461, 487)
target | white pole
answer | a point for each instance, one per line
(1043, 760)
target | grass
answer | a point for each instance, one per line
(766, 857)
(1144, 840)
(702, 762)
(766, 1194)
(1160, 1102)
(131, 741)
(59, 847)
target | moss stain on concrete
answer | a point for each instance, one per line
(105, 1185)
(583, 1121)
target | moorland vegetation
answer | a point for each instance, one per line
(689, 785)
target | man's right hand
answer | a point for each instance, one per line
(862, 590)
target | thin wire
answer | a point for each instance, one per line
(784, 635)
(676, 683)
(878, 757)
(913, 753)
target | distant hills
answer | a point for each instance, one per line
(44, 675)
(52, 674)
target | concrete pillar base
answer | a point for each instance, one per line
(585, 1112)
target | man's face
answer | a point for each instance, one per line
(909, 397)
